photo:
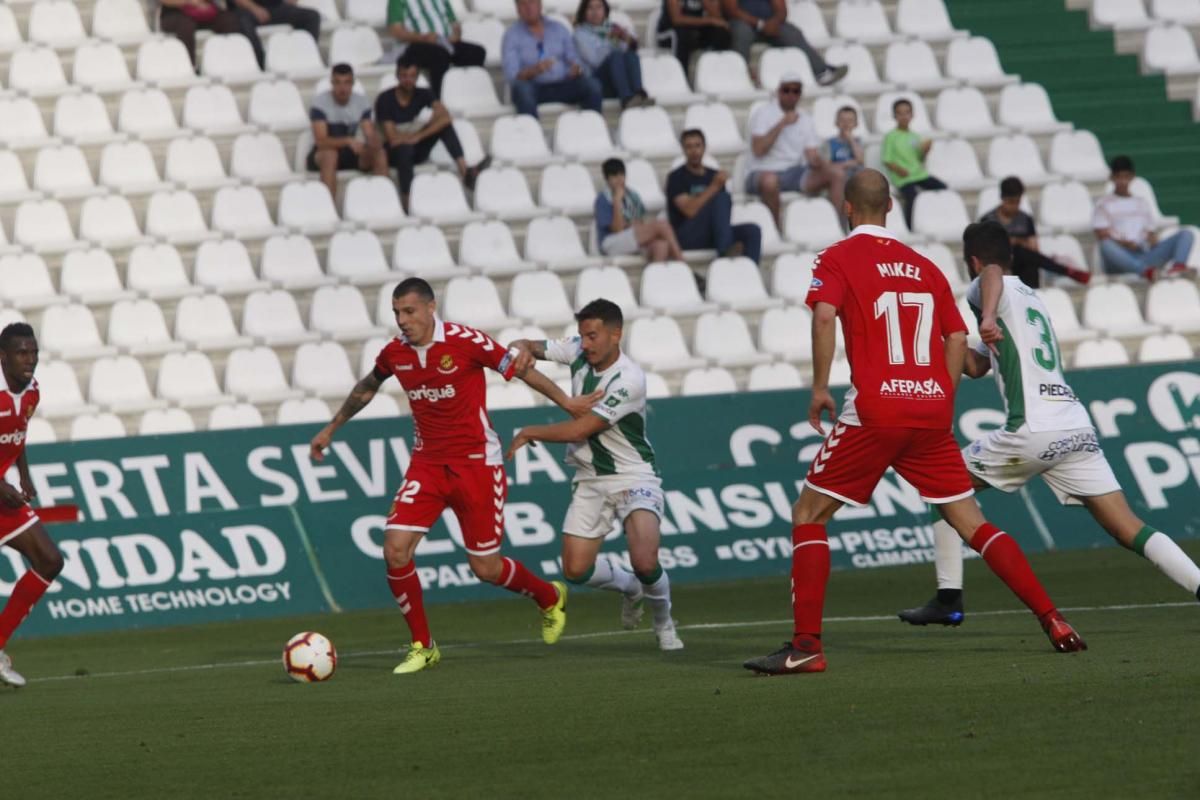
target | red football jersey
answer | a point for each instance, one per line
(447, 390)
(15, 411)
(896, 306)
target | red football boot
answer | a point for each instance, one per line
(1062, 635)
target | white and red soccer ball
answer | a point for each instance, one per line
(309, 658)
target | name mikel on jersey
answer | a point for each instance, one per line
(899, 270)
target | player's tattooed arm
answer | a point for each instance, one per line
(362, 394)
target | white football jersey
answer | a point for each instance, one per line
(1028, 365)
(622, 448)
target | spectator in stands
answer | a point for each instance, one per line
(610, 54)
(622, 228)
(338, 116)
(252, 13)
(846, 149)
(1027, 261)
(1124, 225)
(700, 208)
(413, 122)
(182, 18)
(541, 64)
(691, 25)
(753, 21)
(904, 157)
(785, 151)
(430, 33)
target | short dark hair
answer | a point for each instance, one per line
(406, 60)
(1121, 164)
(851, 109)
(606, 311)
(692, 132)
(419, 286)
(901, 102)
(987, 241)
(613, 166)
(17, 330)
(581, 12)
(343, 69)
(1011, 187)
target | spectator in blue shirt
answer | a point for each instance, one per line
(846, 148)
(541, 64)
(610, 53)
(622, 228)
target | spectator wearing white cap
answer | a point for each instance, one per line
(785, 151)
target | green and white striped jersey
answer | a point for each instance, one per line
(622, 448)
(1028, 366)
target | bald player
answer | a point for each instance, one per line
(906, 343)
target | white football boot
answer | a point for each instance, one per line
(8, 674)
(667, 638)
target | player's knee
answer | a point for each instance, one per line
(803, 514)
(487, 570)
(644, 563)
(396, 554)
(577, 570)
(49, 563)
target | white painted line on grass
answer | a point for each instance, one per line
(700, 626)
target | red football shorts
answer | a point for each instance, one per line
(854, 458)
(15, 521)
(474, 492)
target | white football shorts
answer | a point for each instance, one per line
(1070, 462)
(597, 503)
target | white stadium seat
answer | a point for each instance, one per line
(138, 327)
(714, 380)
(147, 113)
(738, 284)
(641, 177)
(96, 426)
(540, 297)
(582, 135)
(946, 261)
(357, 257)
(291, 262)
(862, 21)
(228, 57)
(671, 287)
(439, 198)
(1113, 309)
(553, 242)
(469, 91)
(1062, 314)
(1185, 12)
(259, 158)
(1078, 154)
(862, 75)
(912, 64)
(62, 171)
(40, 431)
(302, 411)
(775, 62)
(294, 53)
(808, 17)
(924, 19)
(164, 62)
(372, 200)
(36, 71)
(475, 302)
(277, 105)
(954, 161)
(768, 377)
(340, 312)
(43, 225)
(322, 369)
(205, 321)
(1066, 206)
(157, 271)
(129, 168)
(487, 32)
(786, 332)
(489, 247)
(307, 206)
(1100, 353)
(1120, 14)
(189, 380)
(940, 214)
(224, 267)
(1016, 155)
(1026, 107)
(812, 222)
(122, 21)
(25, 281)
(721, 131)
(119, 384)
(503, 192)
(212, 109)
(228, 416)
(10, 31)
(100, 66)
(964, 111)
(723, 337)
(1170, 48)
(664, 80)
(1175, 305)
(241, 211)
(723, 75)
(256, 375)
(423, 251)
(175, 216)
(791, 276)
(1165, 347)
(757, 213)
(56, 23)
(23, 123)
(195, 163)
(272, 317)
(61, 395)
(975, 61)
(109, 222)
(519, 139)
(648, 132)
(611, 283)
(568, 189)
(657, 343)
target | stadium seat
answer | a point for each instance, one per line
(302, 411)
(913, 65)
(439, 198)
(277, 105)
(469, 92)
(307, 206)
(13, 185)
(518, 139)
(87, 427)
(839, 372)
(62, 171)
(489, 247)
(468, 137)
(791, 276)
(1100, 353)
(1026, 107)
(90, 277)
(291, 262)
(775, 62)
(384, 406)
(671, 287)
(786, 332)
(228, 57)
(100, 66)
(611, 283)
(1175, 305)
(10, 30)
(540, 297)
(808, 17)
(475, 302)
(1078, 155)
(657, 343)
(357, 257)
(965, 111)
(23, 124)
(259, 158)
(212, 109)
(164, 62)
(567, 189)
(1063, 247)
(927, 20)
(656, 386)
(339, 312)
(242, 212)
(322, 369)
(228, 416)
(641, 177)
(205, 322)
(138, 328)
(129, 168)
(1113, 309)
(553, 243)
(40, 431)
(940, 214)
(121, 21)
(147, 114)
(510, 395)
(714, 380)
(273, 318)
(663, 79)
(1016, 155)
(862, 21)
(423, 251)
(812, 222)
(757, 213)
(189, 380)
(1120, 14)
(1066, 206)
(723, 337)
(36, 71)
(862, 76)
(768, 377)
(1164, 347)
(195, 163)
(885, 121)
(488, 33)
(25, 281)
(1185, 12)
(156, 270)
(737, 283)
(723, 75)
(43, 225)
(224, 267)
(371, 200)
(1062, 314)
(647, 132)
(582, 136)
(954, 161)
(109, 222)
(1170, 48)
(945, 260)
(295, 54)
(56, 23)
(118, 384)
(255, 374)
(975, 61)
(720, 128)
(502, 192)
(175, 217)
(61, 396)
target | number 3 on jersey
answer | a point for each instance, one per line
(1045, 354)
(887, 305)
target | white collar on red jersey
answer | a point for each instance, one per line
(873, 230)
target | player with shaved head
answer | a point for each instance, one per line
(906, 343)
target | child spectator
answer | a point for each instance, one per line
(904, 157)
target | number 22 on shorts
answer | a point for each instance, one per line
(407, 494)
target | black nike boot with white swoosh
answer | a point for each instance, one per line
(790, 660)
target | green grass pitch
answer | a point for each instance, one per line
(985, 710)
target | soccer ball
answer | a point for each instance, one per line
(309, 657)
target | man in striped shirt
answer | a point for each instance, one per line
(616, 477)
(430, 34)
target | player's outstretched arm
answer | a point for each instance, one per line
(991, 286)
(572, 430)
(824, 339)
(534, 347)
(362, 394)
(575, 406)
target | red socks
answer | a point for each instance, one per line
(25, 594)
(406, 587)
(810, 574)
(1005, 558)
(515, 578)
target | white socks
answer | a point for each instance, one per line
(1161, 551)
(947, 554)
(606, 576)
(658, 598)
